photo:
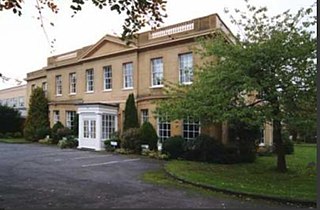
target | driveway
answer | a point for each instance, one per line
(40, 176)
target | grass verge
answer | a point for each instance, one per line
(15, 141)
(258, 178)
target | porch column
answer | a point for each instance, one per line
(100, 145)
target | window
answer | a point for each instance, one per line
(72, 83)
(45, 88)
(191, 128)
(107, 77)
(108, 125)
(89, 78)
(128, 75)
(186, 68)
(56, 116)
(144, 115)
(157, 72)
(89, 129)
(58, 85)
(70, 119)
(21, 101)
(164, 129)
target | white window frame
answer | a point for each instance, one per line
(186, 68)
(58, 85)
(127, 71)
(144, 115)
(56, 116)
(163, 127)
(107, 78)
(157, 72)
(70, 117)
(188, 133)
(108, 126)
(72, 83)
(90, 80)
(45, 88)
(89, 129)
(21, 101)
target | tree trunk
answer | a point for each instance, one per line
(279, 147)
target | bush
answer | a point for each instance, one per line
(41, 132)
(149, 135)
(54, 132)
(8, 135)
(64, 132)
(10, 120)
(130, 114)
(288, 146)
(130, 140)
(204, 148)
(68, 143)
(17, 134)
(174, 147)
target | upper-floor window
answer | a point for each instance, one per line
(45, 88)
(157, 71)
(107, 70)
(58, 85)
(72, 83)
(128, 75)
(191, 128)
(89, 80)
(144, 115)
(186, 68)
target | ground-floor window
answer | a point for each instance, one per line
(144, 115)
(191, 128)
(89, 129)
(70, 119)
(164, 129)
(56, 116)
(108, 125)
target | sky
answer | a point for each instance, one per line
(24, 47)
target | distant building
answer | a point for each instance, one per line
(15, 97)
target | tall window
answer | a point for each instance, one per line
(186, 68)
(157, 71)
(45, 88)
(70, 119)
(89, 80)
(191, 128)
(89, 129)
(21, 101)
(72, 83)
(58, 85)
(56, 116)
(107, 77)
(144, 115)
(108, 125)
(164, 129)
(128, 75)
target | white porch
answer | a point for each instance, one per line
(96, 123)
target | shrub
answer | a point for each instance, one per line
(64, 132)
(8, 135)
(231, 154)
(288, 146)
(41, 132)
(54, 132)
(149, 135)
(174, 147)
(68, 143)
(204, 148)
(130, 140)
(130, 114)
(10, 120)
(17, 134)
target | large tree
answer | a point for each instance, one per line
(267, 75)
(10, 119)
(139, 13)
(37, 123)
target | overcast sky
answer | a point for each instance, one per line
(24, 47)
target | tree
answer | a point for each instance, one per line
(262, 77)
(37, 119)
(139, 12)
(10, 120)
(130, 114)
(149, 135)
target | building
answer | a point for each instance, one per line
(95, 81)
(15, 97)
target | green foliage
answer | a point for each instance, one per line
(10, 120)
(67, 143)
(288, 146)
(75, 128)
(64, 132)
(204, 148)
(54, 132)
(37, 114)
(174, 147)
(149, 135)
(42, 132)
(130, 140)
(130, 114)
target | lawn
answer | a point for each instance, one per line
(15, 141)
(257, 178)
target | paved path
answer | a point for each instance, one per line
(40, 176)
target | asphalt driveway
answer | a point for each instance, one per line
(39, 176)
